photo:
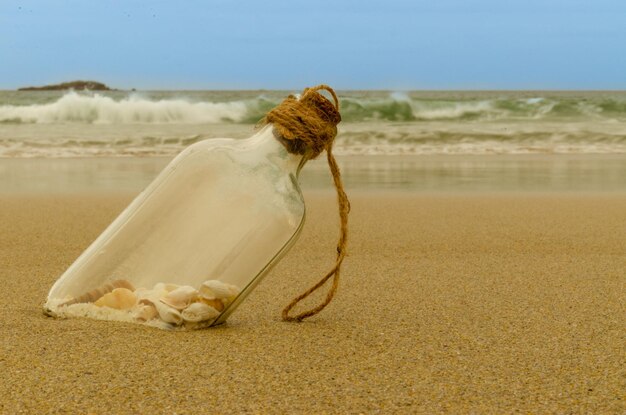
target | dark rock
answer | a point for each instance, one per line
(77, 85)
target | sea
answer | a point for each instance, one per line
(403, 140)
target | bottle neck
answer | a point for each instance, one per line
(266, 142)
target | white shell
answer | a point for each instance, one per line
(181, 297)
(119, 299)
(215, 303)
(168, 314)
(214, 289)
(145, 312)
(166, 286)
(197, 312)
(152, 295)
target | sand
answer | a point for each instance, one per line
(448, 304)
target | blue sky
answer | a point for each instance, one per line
(271, 44)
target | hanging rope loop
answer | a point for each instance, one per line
(308, 126)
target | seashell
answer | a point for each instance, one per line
(168, 314)
(215, 303)
(166, 286)
(95, 294)
(214, 289)
(196, 312)
(153, 295)
(165, 312)
(119, 299)
(181, 297)
(146, 312)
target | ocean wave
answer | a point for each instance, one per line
(400, 107)
(99, 109)
(95, 108)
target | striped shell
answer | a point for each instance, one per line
(95, 294)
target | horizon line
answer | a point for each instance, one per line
(337, 89)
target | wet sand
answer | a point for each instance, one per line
(535, 173)
(469, 303)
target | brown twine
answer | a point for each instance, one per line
(308, 126)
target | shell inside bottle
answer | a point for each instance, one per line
(165, 305)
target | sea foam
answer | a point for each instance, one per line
(95, 108)
(74, 107)
(162, 123)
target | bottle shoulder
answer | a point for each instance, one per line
(237, 165)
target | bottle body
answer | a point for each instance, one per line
(204, 232)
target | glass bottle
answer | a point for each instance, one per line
(195, 242)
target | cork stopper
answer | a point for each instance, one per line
(308, 125)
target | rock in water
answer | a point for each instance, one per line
(77, 85)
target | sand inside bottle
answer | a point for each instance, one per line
(165, 305)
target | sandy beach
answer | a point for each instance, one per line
(475, 303)
(482, 147)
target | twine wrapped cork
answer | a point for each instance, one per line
(308, 126)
